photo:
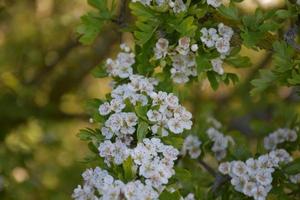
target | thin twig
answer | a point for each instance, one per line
(208, 168)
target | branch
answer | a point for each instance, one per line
(208, 168)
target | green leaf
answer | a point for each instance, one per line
(295, 79)
(127, 167)
(175, 141)
(212, 79)
(187, 27)
(239, 61)
(230, 12)
(202, 63)
(266, 80)
(89, 28)
(182, 174)
(143, 13)
(99, 71)
(85, 134)
(165, 195)
(293, 167)
(141, 112)
(142, 130)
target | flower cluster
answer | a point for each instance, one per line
(220, 40)
(254, 177)
(122, 66)
(214, 3)
(191, 145)
(99, 182)
(116, 152)
(279, 136)
(182, 57)
(155, 161)
(167, 114)
(177, 6)
(220, 142)
(295, 178)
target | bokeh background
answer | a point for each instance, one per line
(45, 81)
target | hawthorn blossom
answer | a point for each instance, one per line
(254, 177)
(98, 184)
(278, 137)
(217, 65)
(214, 3)
(220, 142)
(177, 6)
(191, 145)
(122, 66)
(182, 57)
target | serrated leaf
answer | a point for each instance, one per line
(99, 71)
(89, 28)
(142, 130)
(239, 61)
(265, 80)
(230, 12)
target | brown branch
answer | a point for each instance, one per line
(208, 168)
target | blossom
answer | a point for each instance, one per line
(104, 109)
(161, 48)
(220, 142)
(98, 184)
(214, 3)
(254, 177)
(191, 145)
(209, 36)
(155, 161)
(122, 66)
(279, 136)
(217, 65)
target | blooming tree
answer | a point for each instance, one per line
(148, 145)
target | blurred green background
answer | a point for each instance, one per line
(44, 83)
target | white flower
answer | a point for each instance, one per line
(279, 136)
(191, 145)
(179, 6)
(161, 48)
(222, 45)
(183, 47)
(106, 133)
(175, 125)
(217, 65)
(225, 31)
(104, 109)
(225, 168)
(295, 178)
(117, 105)
(259, 193)
(214, 3)
(254, 178)
(209, 36)
(239, 168)
(249, 187)
(154, 116)
(264, 177)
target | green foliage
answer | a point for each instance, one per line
(93, 22)
(142, 130)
